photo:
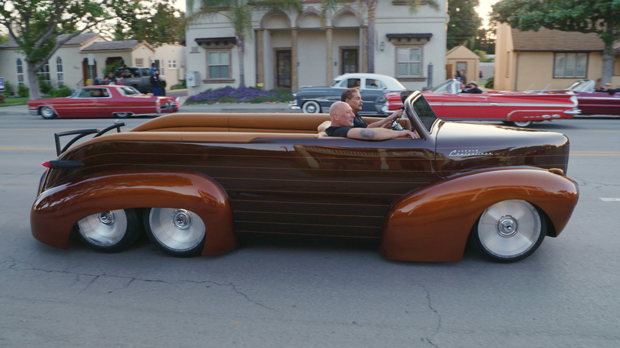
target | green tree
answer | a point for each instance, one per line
(3, 38)
(328, 7)
(156, 24)
(464, 23)
(239, 13)
(585, 16)
(485, 39)
(36, 24)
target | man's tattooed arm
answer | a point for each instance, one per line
(367, 134)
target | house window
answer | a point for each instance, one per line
(139, 62)
(44, 71)
(172, 63)
(59, 72)
(20, 72)
(570, 65)
(409, 62)
(218, 64)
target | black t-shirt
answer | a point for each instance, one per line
(358, 122)
(337, 131)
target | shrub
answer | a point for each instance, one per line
(8, 89)
(112, 67)
(181, 85)
(23, 91)
(44, 86)
(241, 95)
(489, 83)
(61, 92)
(2, 98)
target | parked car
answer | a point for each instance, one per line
(197, 182)
(138, 78)
(516, 109)
(589, 100)
(103, 101)
(371, 86)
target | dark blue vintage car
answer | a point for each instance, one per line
(372, 88)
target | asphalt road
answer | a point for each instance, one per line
(294, 294)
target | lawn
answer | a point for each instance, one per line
(14, 101)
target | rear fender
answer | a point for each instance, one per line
(433, 223)
(58, 209)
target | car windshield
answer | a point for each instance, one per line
(424, 112)
(582, 86)
(445, 87)
(127, 90)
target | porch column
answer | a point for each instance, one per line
(294, 68)
(330, 63)
(260, 64)
(363, 49)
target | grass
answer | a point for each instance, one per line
(14, 101)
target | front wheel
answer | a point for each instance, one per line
(122, 114)
(311, 107)
(47, 112)
(521, 124)
(509, 231)
(110, 231)
(177, 232)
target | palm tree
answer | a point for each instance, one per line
(239, 13)
(330, 6)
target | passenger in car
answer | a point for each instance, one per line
(472, 87)
(341, 116)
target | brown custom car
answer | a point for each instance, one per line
(196, 182)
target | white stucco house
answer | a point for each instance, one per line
(290, 49)
(69, 66)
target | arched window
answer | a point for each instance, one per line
(20, 72)
(45, 72)
(59, 72)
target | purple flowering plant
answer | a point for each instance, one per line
(241, 95)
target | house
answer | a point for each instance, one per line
(464, 60)
(289, 49)
(548, 59)
(70, 67)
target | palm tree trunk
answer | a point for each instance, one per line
(241, 50)
(371, 5)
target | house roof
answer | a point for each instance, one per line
(556, 40)
(126, 45)
(461, 52)
(75, 41)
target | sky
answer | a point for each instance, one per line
(484, 8)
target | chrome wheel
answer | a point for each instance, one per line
(122, 114)
(47, 112)
(521, 124)
(509, 231)
(178, 232)
(109, 231)
(311, 107)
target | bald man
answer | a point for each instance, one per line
(342, 116)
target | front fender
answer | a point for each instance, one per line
(58, 209)
(433, 223)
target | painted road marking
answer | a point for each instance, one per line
(610, 199)
(594, 153)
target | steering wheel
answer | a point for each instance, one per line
(396, 126)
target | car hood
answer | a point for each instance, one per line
(462, 147)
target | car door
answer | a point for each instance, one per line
(80, 105)
(599, 103)
(451, 103)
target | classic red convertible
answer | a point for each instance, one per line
(589, 101)
(103, 101)
(197, 183)
(517, 109)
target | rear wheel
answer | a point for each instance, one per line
(47, 112)
(110, 231)
(509, 231)
(521, 124)
(122, 114)
(311, 107)
(178, 232)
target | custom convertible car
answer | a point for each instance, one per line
(589, 101)
(103, 101)
(198, 182)
(371, 86)
(516, 109)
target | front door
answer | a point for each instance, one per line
(349, 61)
(283, 68)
